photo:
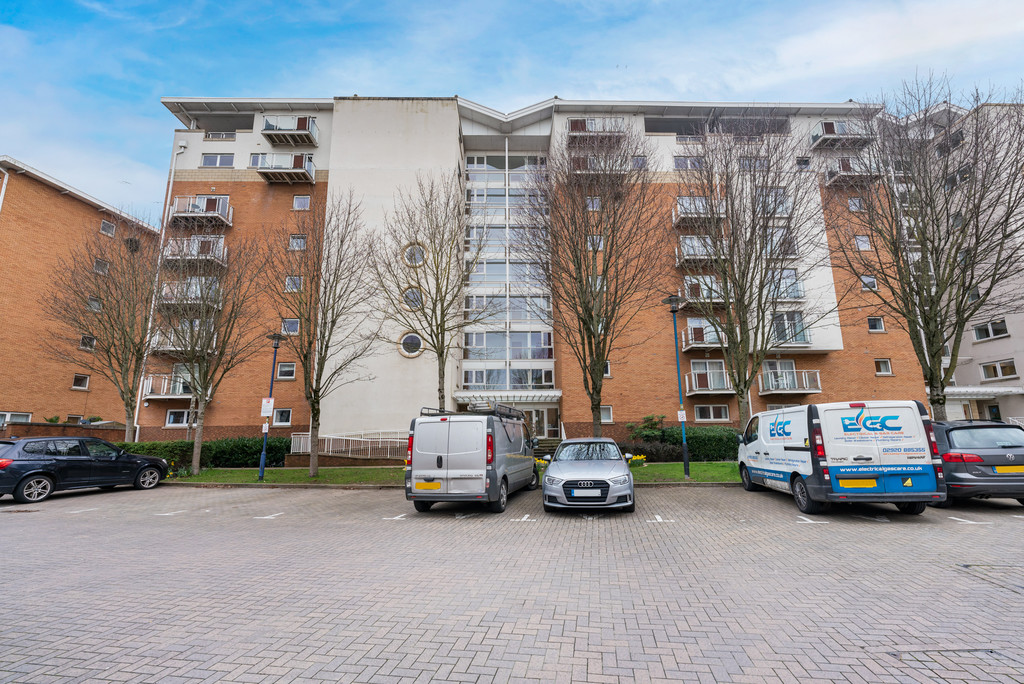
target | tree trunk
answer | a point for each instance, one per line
(937, 399)
(314, 441)
(744, 411)
(129, 423)
(197, 445)
(440, 383)
(595, 415)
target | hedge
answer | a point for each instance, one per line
(705, 442)
(236, 452)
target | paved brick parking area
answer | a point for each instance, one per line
(700, 584)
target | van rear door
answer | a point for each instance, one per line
(851, 451)
(903, 448)
(429, 453)
(467, 455)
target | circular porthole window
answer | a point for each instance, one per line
(414, 255)
(411, 345)
(412, 298)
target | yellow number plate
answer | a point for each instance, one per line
(857, 484)
(428, 485)
(1009, 469)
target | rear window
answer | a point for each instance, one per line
(987, 438)
(4, 448)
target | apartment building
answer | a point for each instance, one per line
(246, 163)
(987, 383)
(41, 220)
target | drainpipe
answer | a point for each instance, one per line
(3, 190)
(182, 146)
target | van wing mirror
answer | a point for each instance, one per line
(535, 442)
(739, 439)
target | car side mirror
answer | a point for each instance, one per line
(628, 456)
(547, 457)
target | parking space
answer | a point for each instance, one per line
(701, 584)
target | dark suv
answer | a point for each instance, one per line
(33, 468)
(981, 458)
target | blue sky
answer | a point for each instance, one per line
(81, 81)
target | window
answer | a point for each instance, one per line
(289, 326)
(639, 162)
(595, 243)
(297, 243)
(883, 367)
(293, 284)
(177, 418)
(411, 345)
(772, 201)
(607, 369)
(862, 242)
(999, 369)
(88, 342)
(94, 304)
(974, 295)
(80, 382)
(856, 203)
(688, 163)
(100, 266)
(991, 330)
(876, 324)
(606, 414)
(593, 203)
(414, 255)
(11, 417)
(412, 298)
(779, 407)
(282, 416)
(285, 371)
(227, 160)
(753, 164)
(707, 375)
(300, 203)
(108, 228)
(788, 328)
(74, 420)
(529, 345)
(709, 412)
(868, 283)
(803, 163)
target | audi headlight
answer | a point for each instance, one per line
(621, 480)
(553, 481)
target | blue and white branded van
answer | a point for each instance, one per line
(867, 451)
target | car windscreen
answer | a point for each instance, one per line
(987, 438)
(588, 452)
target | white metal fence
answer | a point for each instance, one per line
(1016, 421)
(370, 444)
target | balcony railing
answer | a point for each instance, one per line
(841, 135)
(696, 337)
(791, 290)
(791, 336)
(693, 248)
(171, 342)
(708, 382)
(198, 249)
(693, 207)
(291, 130)
(850, 171)
(166, 387)
(191, 210)
(789, 382)
(284, 168)
(606, 124)
(190, 293)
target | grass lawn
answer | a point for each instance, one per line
(653, 472)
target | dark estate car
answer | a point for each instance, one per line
(33, 468)
(981, 458)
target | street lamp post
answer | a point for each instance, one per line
(674, 302)
(276, 339)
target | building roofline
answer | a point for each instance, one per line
(10, 163)
(185, 108)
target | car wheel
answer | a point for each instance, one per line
(630, 508)
(147, 478)
(748, 484)
(912, 507)
(549, 509)
(803, 498)
(948, 503)
(33, 489)
(534, 481)
(499, 505)
(422, 506)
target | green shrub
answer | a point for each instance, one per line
(234, 452)
(706, 443)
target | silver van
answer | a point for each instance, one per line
(478, 455)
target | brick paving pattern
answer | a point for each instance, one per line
(700, 584)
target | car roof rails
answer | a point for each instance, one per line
(428, 411)
(500, 410)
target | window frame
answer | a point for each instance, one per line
(401, 344)
(285, 331)
(113, 228)
(868, 283)
(991, 332)
(277, 423)
(859, 241)
(219, 156)
(77, 387)
(855, 203)
(998, 365)
(611, 416)
(711, 412)
(294, 366)
(296, 202)
(881, 322)
(87, 343)
(887, 363)
(293, 283)
(101, 266)
(294, 240)
(185, 422)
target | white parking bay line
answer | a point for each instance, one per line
(525, 518)
(173, 513)
(968, 522)
(84, 510)
(397, 517)
(591, 516)
(267, 517)
(808, 521)
(658, 519)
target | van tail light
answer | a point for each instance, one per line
(931, 439)
(824, 473)
(938, 473)
(817, 443)
(4, 462)
(490, 449)
(408, 454)
(954, 457)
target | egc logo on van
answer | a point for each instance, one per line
(871, 423)
(779, 429)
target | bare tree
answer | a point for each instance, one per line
(208, 318)
(319, 275)
(599, 226)
(422, 266)
(101, 299)
(750, 231)
(935, 231)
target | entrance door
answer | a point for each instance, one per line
(993, 412)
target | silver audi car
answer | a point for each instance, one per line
(588, 473)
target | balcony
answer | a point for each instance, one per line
(191, 294)
(298, 131)
(693, 249)
(175, 343)
(789, 382)
(700, 338)
(841, 135)
(701, 292)
(165, 387)
(708, 382)
(792, 290)
(197, 211)
(690, 208)
(284, 168)
(196, 250)
(850, 171)
(790, 336)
